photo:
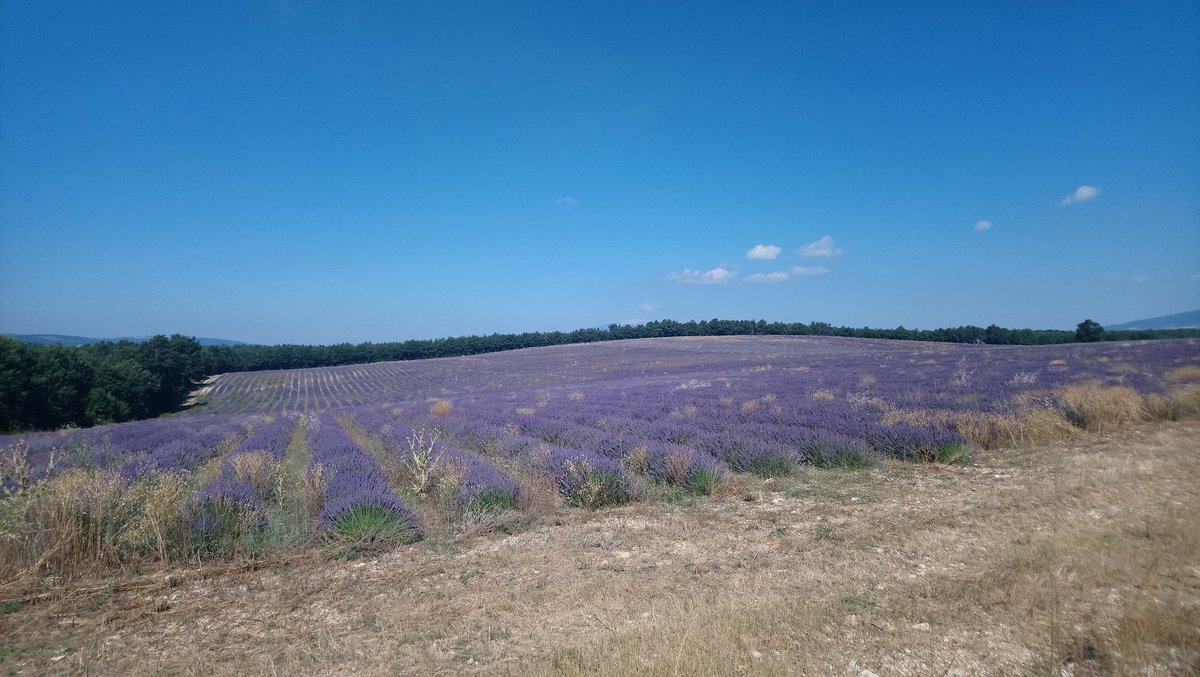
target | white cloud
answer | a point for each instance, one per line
(718, 275)
(764, 252)
(1081, 194)
(821, 249)
(650, 307)
(767, 278)
(981, 226)
(566, 200)
(806, 271)
(1140, 279)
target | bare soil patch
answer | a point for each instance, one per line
(1080, 559)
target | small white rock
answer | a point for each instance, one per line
(923, 627)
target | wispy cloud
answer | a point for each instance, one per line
(650, 307)
(718, 275)
(782, 276)
(821, 249)
(807, 271)
(767, 278)
(981, 226)
(1081, 194)
(764, 252)
(1140, 279)
(566, 200)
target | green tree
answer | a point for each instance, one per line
(1089, 332)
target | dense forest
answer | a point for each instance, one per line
(47, 387)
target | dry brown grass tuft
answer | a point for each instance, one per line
(1179, 404)
(823, 395)
(1027, 426)
(1188, 374)
(84, 521)
(1100, 408)
(311, 490)
(260, 470)
(538, 496)
(441, 408)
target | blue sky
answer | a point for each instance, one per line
(347, 171)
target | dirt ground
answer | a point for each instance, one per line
(1065, 560)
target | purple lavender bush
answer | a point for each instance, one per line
(359, 504)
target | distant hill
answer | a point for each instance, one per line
(62, 340)
(1188, 320)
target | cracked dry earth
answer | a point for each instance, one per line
(1068, 559)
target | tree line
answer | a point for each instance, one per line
(48, 387)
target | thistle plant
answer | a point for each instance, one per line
(422, 460)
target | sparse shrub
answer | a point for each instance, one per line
(866, 381)
(575, 396)
(1024, 378)
(962, 376)
(825, 395)
(750, 406)
(441, 408)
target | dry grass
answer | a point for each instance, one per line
(87, 521)
(1188, 374)
(1023, 562)
(441, 408)
(260, 470)
(1176, 405)
(1099, 408)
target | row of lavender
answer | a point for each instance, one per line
(163, 445)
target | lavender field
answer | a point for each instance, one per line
(386, 449)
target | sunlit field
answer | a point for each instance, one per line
(366, 461)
